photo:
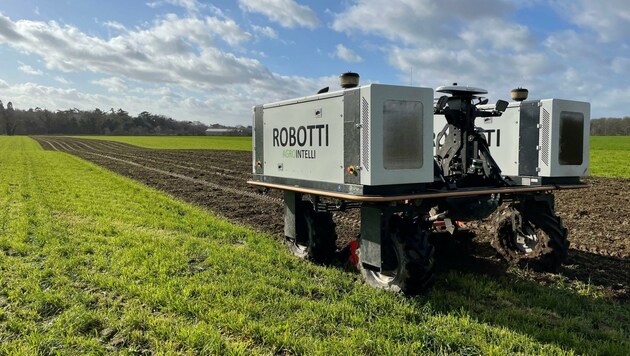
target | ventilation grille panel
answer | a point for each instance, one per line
(544, 146)
(365, 134)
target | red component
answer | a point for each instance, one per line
(354, 258)
(439, 225)
(351, 170)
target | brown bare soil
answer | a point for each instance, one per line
(598, 218)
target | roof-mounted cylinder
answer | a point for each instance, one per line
(349, 80)
(519, 94)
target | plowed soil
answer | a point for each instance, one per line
(598, 218)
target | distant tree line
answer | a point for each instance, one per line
(96, 122)
(611, 127)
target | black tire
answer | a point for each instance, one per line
(414, 265)
(316, 236)
(531, 235)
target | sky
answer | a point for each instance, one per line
(212, 61)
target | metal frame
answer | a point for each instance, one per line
(427, 194)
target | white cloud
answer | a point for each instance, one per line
(259, 54)
(173, 50)
(572, 45)
(498, 34)
(115, 26)
(436, 66)
(31, 95)
(416, 22)
(346, 54)
(113, 84)
(610, 101)
(621, 65)
(287, 13)
(25, 68)
(62, 80)
(265, 31)
(227, 30)
(586, 65)
(610, 19)
(190, 5)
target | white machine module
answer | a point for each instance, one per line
(374, 135)
(538, 141)
(304, 138)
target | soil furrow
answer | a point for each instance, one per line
(186, 178)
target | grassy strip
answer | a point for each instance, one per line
(183, 142)
(614, 143)
(91, 262)
(610, 156)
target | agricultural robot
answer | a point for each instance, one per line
(413, 164)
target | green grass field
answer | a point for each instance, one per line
(182, 142)
(91, 263)
(610, 156)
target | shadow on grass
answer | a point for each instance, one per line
(609, 274)
(584, 308)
